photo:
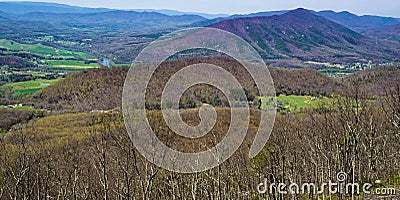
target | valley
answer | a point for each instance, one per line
(63, 127)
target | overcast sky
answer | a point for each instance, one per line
(360, 7)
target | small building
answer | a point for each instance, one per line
(104, 62)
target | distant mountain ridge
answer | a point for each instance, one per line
(357, 23)
(220, 19)
(301, 35)
(283, 38)
(113, 20)
(24, 7)
(259, 14)
(118, 15)
(175, 12)
(360, 24)
(352, 21)
(65, 17)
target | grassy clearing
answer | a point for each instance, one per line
(42, 50)
(295, 103)
(29, 87)
(69, 63)
(75, 66)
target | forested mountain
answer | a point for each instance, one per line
(119, 20)
(102, 88)
(385, 33)
(301, 35)
(377, 81)
(27, 7)
(359, 23)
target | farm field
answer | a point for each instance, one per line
(42, 50)
(70, 65)
(29, 87)
(297, 103)
(43, 60)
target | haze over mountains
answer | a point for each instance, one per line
(27, 7)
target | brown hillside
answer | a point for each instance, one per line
(102, 88)
(83, 91)
(376, 81)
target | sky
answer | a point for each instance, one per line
(360, 7)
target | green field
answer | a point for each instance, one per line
(42, 50)
(71, 64)
(296, 103)
(29, 87)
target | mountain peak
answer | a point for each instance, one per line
(301, 34)
(300, 14)
(301, 11)
(347, 13)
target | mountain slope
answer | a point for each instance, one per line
(376, 81)
(114, 20)
(24, 28)
(300, 35)
(4, 15)
(84, 91)
(220, 19)
(175, 12)
(102, 88)
(27, 7)
(385, 33)
(358, 23)
(259, 14)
